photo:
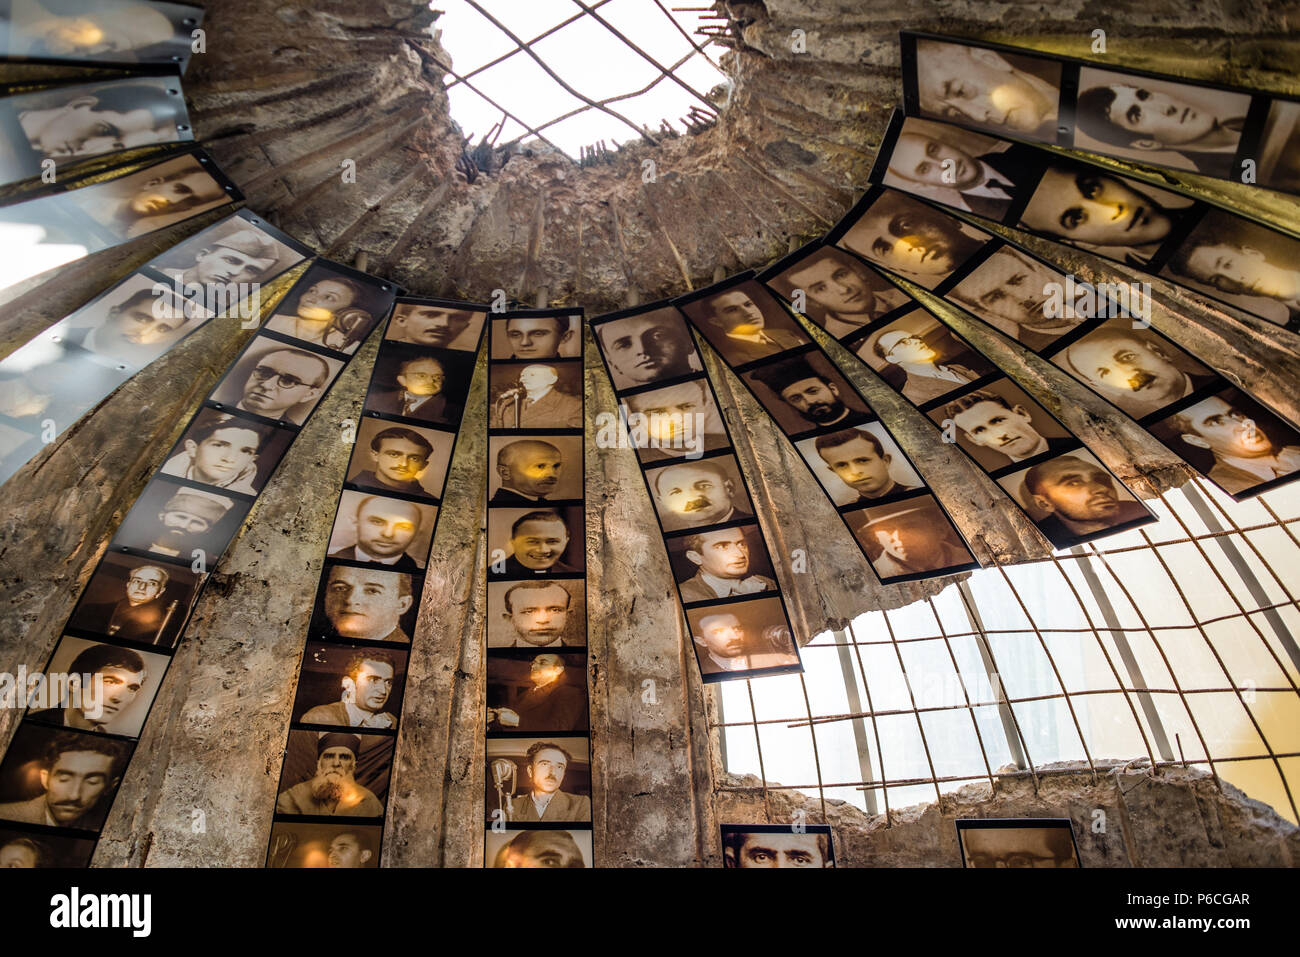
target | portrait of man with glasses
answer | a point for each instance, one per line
(278, 381)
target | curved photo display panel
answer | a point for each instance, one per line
(720, 559)
(1247, 136)
(53, 128)
(47, 384)
(1093, 332)
(333, 790)
(98, 31)
(777, 845)
(897, 522)
(1062, 488)
(86, 709)
(537, 757)
(69, 223)
(1204, 248)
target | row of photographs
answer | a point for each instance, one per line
(1219, 430)
(71, 221)
(339, 754)
(1158, 120)
(74, 122)
(1204, 248)
(99, 31)
(886, 505)
(735, 610)
(537, 754)
(72, 747)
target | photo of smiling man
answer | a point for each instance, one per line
(524, 542)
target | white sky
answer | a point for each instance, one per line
(589, 57)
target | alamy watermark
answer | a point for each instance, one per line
(57, 689)
(1080, 299)
(677, 431)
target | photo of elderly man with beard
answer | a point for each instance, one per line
(332, 787)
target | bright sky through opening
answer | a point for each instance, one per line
(585, 54)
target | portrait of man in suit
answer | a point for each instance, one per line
(382, 530)
(365, 603)
(532, 399)
(698, 494)
(723, 564)
(420, 382)
(742, 637)
(367, 682)
(543, 695)
(1073, 497)
(528, 470)
(546, 763)
(744, 323)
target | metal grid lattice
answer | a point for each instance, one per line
(1172, 643)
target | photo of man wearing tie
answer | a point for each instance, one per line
(536, 396)
(427, 385)
(745, 322)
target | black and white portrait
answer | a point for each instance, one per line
(839, 292)
(61, 777)
(390, 532)
(527, 541)
(366, 602)
(735, 639)
(1073, 498)
(151, 198)
(774, 845)
(335, 773)
(538, 468)
(544, 779)
(42, 849)
(909, 538)
(721, 563)
(410, 459)
(104, 31)
(175, 520)
(922, 358)
(277, 381)
(330, 309)
(112, 690)
(745, 322)
(1013, 292)
(540, 613)
(136, 599)
(649, 347)
(699, 494)
(238, 249)
(302, 844)
(919, 242)
(425, 384)
(439, 325)
(524, 847)
(350, 686)
(1006, 92)
(227, 450)
(676, 421)
(806, 392)
(998, 425)
(537, 691)
(536, 338)
(535, 395)
(1017, 842)
(860, 465)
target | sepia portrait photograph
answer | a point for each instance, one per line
(41, 849)
(1138, 370)
(552, 847)
(744, 322)
(648, 347)
(149, 199)
(48, 380)
(1017, 842)
(535, 338)
(839, 292)
(721, 563)
(538, 613)
(1233, 441)
(176, 520)
(999, 425)
(1073, 498)
(435, 324)
(335, 773)
(238, 249)
(1013, 292)
(675, 421)
(137, 599)
(299, 844)
(61, 777)
(380, 530)
(959, 168)
(523, 542)
(1279, 148)
(736, 639)
(277, 381)
(367, 603)
(908, 539)
(1010, 93)
(400, 458)
(104, 31)
(699, 494)
(229, 451)
(1160, 122)
(539, 468)
(905, 236)
(133, 323)
(920, 357)
(71, 123)
(775, 845)
(806, 392)
(535, 395)
(1097, 211)
(350, 686)
(1240, 263)
(425, 384)
(860, 465)
(537, 692)
(331, 309)
(544, 779)
(113, 691)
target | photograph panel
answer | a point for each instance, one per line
(1013, 292)
(544, 613)
(806, 392)
(921, 358)
(40, 849)
(228, 451)
(366, 603)
(542, 692)
(297, 844)
(999, 425)
(545, 779)
(1006, 842)
(277, 381)
(524, 542)
(771, 845)
(721, 563)
(46, 385)
(436, 326)
(350, 686)
(391, 532)
(175, 520)
(60, 777)
(105, 31)
(536, 338)
(149, 199)
(649, 347)
(134, 323)
(735, 639)
(1279, 148)
(744, 322)
(332, 309)
(136, 599)
(112, 692)
(911, 538)
(535, 395)
(525, 471)
(388, 457)
(860, 465)
(553, 847)
(426, 384)
(335, 773)
(234, 250)
(840, 292)
(699, 494)
(676, 421)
